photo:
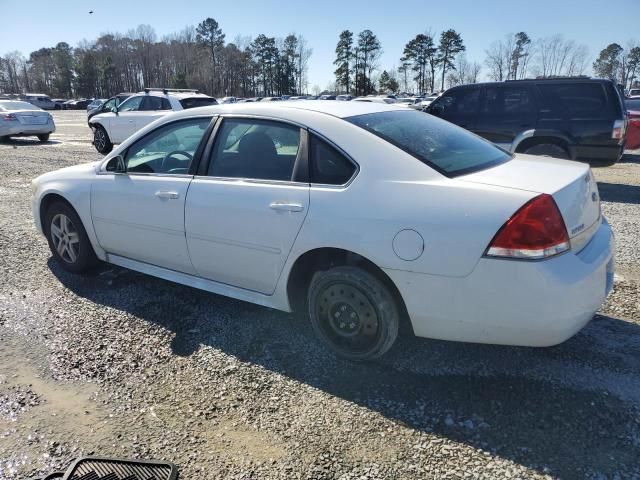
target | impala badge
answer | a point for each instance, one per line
(577, 229)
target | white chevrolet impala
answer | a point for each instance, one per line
(361, 214)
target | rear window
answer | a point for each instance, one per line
(447, 148)
(11, 105)
(194, 102)
(632, 104)
(577, 100)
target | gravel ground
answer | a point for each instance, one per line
(119, 363)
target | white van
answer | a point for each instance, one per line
(40, 100)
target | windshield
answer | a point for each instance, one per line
(448, 149)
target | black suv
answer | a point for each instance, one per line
(572, 118)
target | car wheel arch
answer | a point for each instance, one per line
(322, 258)
(540, 137)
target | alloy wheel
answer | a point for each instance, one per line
(65, 238)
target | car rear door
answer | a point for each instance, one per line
(152, 108)
(506, 110)
(245, 208)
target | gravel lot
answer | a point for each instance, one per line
(119, 363)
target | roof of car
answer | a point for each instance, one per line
(330, 107)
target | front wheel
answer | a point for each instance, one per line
(101, 140)
(68, 239)
(353, 312)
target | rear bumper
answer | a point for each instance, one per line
(21, 129)
(511, 302)
(607, 153)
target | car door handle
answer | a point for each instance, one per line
(286, 207)
(165, 194)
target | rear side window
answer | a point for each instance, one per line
(155, 103)
(507, 101)
(576, 100)
(197, 102)
(446, 148)
(255, 149)
(327, 165)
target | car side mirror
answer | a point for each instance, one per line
(114, 110)
(116, 165)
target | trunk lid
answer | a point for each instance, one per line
(32, 117)
(571, 184)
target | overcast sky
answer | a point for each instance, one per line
(27, 26)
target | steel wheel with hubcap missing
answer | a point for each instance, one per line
(353, 312)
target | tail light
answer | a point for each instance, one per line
(535, 231)
(619, 127)
(9, 117)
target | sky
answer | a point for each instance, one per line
(28, 26)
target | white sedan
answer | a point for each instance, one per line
(363, 215)
(22, 119)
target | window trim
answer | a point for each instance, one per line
(342, 186)
(302, 156)
(194, 161)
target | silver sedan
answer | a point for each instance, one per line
(21, 119)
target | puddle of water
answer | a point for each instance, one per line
(46, 422)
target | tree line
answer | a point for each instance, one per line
(430, 62)
(197, 57)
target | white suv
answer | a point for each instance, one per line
(139, 110)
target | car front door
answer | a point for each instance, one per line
(122, 123)
(139, 213)
(244, 209)
(459, 106)
(505, 112)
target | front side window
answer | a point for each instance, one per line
(169, 149)
(256, 149)
(447, 148)
(327, 165)
(131, 105)
(109, 104)
(459, 102)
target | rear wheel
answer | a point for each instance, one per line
(353, 312)
(43, 137)
(548, 150)
(68, 239)
(101, 140)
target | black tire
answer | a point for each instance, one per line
(83, 258)
(44, 137)
(548, 150)
(101, 140)
(371, 318)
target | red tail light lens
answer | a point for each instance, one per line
(535, 231)
(9, 117)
